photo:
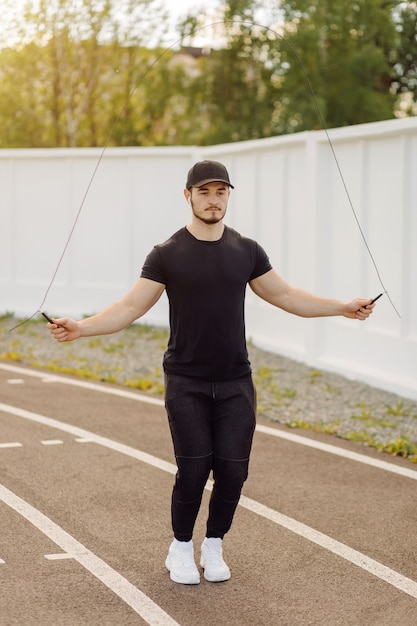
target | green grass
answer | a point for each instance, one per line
(401, 446)
(263, 379)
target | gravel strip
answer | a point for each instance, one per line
(289, 392)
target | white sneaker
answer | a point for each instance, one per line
(215, 569)
(180, 563)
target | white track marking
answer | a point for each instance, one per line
(52, 442)
(83, 384)
(136, 599)
(305, 441)
(407, 585)
(85, 434)
(11, 445)
(62, 556)
(347, 454)
(390, 576)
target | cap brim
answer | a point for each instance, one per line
(213, 180)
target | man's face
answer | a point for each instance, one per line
(209, 203)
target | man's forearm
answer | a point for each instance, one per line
(114, 318)
(305, 304)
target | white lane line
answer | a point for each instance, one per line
(52, 442)
(407, 585)
(85, 434)
(12, 444)
(390, 576)
(131, 595)
(62, 556)
(347, 454)
(305, 441)
(83, 384)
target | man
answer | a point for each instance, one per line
(209, 395)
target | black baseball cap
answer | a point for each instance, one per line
(205, 172)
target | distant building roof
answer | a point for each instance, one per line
(196, 53)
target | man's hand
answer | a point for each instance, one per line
(359, 309)
(64, 329)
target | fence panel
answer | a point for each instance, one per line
(289, 196)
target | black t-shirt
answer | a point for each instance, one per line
(206, 284)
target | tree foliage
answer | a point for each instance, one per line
(346, 48)
(404, 58)
(78, 72)
(91, 72)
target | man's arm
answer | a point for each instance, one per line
(141, 297)
(273, 288)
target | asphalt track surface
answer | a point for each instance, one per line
(324, 534)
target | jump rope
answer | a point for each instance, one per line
(268, 29)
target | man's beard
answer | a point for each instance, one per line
(211, 219)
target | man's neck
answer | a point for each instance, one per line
(206, 232)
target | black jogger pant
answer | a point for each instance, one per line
(212, 426)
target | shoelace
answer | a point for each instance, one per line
(187, 558)
(214, 555)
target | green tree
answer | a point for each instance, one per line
(68, 34)
(78, 72)
(93, 72)
(404, 59)
(344, 47)
(20, 121)
(329, 62)
(134, 58)
(232, 96)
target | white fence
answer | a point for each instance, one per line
(289, 196)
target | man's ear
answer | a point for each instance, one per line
(187, 195)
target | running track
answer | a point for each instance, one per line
(324, 535)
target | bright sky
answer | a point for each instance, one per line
(179, 8)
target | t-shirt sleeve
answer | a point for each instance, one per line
(153, 268)
(262, 263)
